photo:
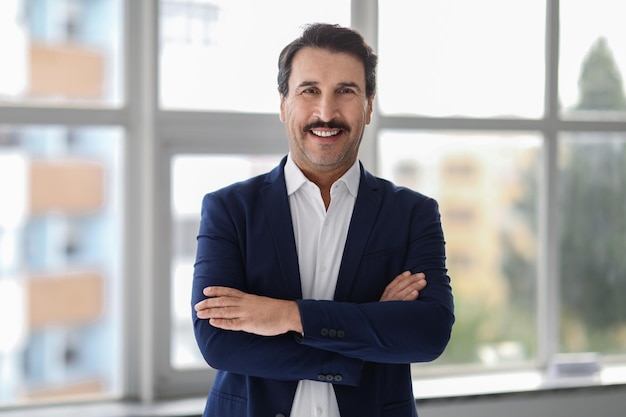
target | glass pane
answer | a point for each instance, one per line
(61, 51)
(487, 189)
(192, 177)
(216, 52)
(480, 58)
(593, 242)
(592, 59)
(60, 263)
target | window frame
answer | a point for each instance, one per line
(154, 136)
(180, 132)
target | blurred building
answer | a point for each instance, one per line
(60, 225)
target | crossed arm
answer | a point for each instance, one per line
(231, 309)
(232, 323)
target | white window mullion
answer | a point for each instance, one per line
(141, 70)
(548, 294)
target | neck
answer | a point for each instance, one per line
(324, 179)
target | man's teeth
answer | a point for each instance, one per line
(325, 133)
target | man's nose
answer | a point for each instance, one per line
(327, 107)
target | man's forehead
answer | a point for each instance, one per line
(317, 64)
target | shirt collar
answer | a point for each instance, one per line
(294, 178)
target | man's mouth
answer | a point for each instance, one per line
(326, 129)
(325, 133)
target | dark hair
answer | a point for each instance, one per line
(334, 38)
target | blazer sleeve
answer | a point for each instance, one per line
(392, 331)
(220, 262)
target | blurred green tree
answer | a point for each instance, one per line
(592, 195)
(593, 207)
(600, 83)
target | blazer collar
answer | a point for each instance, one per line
(276, 204)
(278, 214)
(364, 215)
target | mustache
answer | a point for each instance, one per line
(331, 124)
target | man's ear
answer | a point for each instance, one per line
(282, 107)
(370, 109)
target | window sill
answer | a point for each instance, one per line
(511, 382)
(192, 407)
(426, 390)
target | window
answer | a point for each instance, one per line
(214, 53)
(451, 60)
(62, 175)
(491, 230)
(117, 117)
(592, 168)
(531, 204)
(61, 52)
(192, 177)
(592, 60)
(62, 262)
(591, 174)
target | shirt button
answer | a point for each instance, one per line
(319, 410)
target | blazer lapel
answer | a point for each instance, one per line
(278, 214)
(364, 216)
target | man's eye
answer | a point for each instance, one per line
(309, 91)
(346, 91)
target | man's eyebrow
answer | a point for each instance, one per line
(344, 84)
(350, 84)
(305, 84)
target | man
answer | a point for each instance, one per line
(309, 289)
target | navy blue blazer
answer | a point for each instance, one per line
(362, 346)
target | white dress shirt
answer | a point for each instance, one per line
(320, 236)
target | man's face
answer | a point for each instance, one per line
(325, 111)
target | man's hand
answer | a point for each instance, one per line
(231, 309)
(404, 287)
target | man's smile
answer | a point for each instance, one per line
(325, 133)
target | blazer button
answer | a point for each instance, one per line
(332, 333)
(324, 332)
(338, 378)
(340, 334)
(321, 377)
(330, 378)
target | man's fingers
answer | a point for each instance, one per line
(404, 287)
(219, 298)
(407, 280)
(412, 291)
(223, 312)
(240, 311)
(396, 285)
(411, 296)
(226, 324)
(218, 307)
